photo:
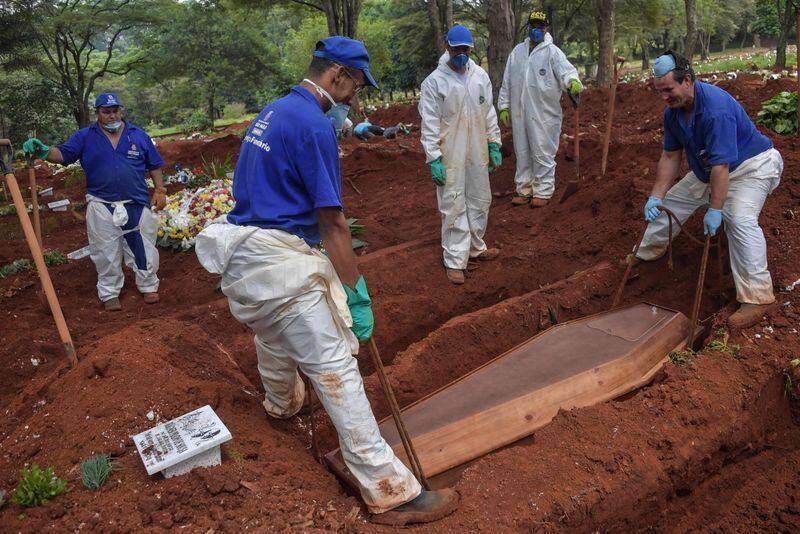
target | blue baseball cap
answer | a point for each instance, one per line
(107, 100)
(663, 65)
(460, 36)
(347, 52)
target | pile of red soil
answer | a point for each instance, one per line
(710, 444)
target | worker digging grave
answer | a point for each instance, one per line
(371, 334)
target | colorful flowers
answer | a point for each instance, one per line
(188, 211)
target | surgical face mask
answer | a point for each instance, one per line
(460, 61)
(536, 35)
(338, 112)
(112, 126)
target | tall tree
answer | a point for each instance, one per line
(691, 28)
(500, 22)
(786, 15)
(77, 41)
(440, 16)
(605, 30)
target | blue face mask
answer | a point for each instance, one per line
(460, 61)
(112, 126)
(338, 114)
(536, 35)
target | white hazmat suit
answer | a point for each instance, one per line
(458, 122)
(291, 297)
(532, 85)
(749, 186)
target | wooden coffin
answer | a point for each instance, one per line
(573, 364)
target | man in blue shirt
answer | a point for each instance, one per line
(733, 170)
(308, 309)
(115, 156)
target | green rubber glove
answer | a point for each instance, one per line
(438, 172)
(495, 157)
(575, 87)
(361, 309)
(33, 148)
(505, 116)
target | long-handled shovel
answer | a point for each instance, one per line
(618, 62)
(37, 226)
(574, 185)
(36, 251)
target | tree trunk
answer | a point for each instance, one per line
(436, 23)
(500, 22)
(605, 30)
(645, 55)
(691, 28)
(786, 21)
(448, 15)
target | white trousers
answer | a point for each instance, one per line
(464, 203)
(108, 248)
(536, 157)
(750, 184)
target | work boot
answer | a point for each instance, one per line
(455, 275)
(520, 200)
(487, 255)
(112, 304)
(539, 202)
(150, 298)
(428, 506)
(749, 314)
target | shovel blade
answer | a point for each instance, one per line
(571, 188)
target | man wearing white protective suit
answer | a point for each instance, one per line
(115, 156)
(462, 145)
(537, 71)
(309, 308)
(733, 170)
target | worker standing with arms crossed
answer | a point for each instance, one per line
(462, 145)
(308, 309)
(733, 170)
(537, 72)
(115, 155)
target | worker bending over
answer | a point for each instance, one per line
(115, 155)
(309, 308)
(462, 145)
(537, 71)
(366, 130)
(733, 170)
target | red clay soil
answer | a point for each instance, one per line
(708, 446)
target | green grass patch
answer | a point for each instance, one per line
(172, 130)
(96, 470)
(721, 344)
(15, 267)
(682, 358)
(37, 487)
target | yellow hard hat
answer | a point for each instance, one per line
(537, 16)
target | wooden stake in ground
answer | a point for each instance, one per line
(610, 119)
(37, 226)
(797, 70)
(36, 252)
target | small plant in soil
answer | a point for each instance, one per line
(15, 267)
(780, 113)
(721, 344)
(37, 487)
(789, 382)
(54, 257)
(682, 358)
(96, 470)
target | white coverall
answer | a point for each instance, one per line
(290, 295)
(750, 184)
(108, 246)
(458, 122)
(532, 86)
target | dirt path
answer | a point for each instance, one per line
(712, 445)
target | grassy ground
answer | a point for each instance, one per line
(733, 59)
(172, 130)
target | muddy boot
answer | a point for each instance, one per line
(112, 304)
(455, 275)
(539, 202)
(427, 507)
(749, 314)
(488, 255)
(150, 298)
(520, 200)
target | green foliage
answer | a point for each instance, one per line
(355, 231)
(234, 110)
(96, 470)
(15, 267)
(197, 121)
(215, 169)
(721, 344)
(767, 22)
(682, 357)
(76, 177)
(780, 113)
(54, 257)
(37, 487)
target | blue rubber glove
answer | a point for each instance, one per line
(438, 172)
(361, 309)
(33, 148)
(495, 157)
(651, 210)
(712, 221)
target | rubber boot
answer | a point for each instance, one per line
(427, 507)
(749, 314)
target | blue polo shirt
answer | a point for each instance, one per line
(288, 168)
(718, 131)
(114, 174)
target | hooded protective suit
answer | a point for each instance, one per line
(458, 122)
(532, 86)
